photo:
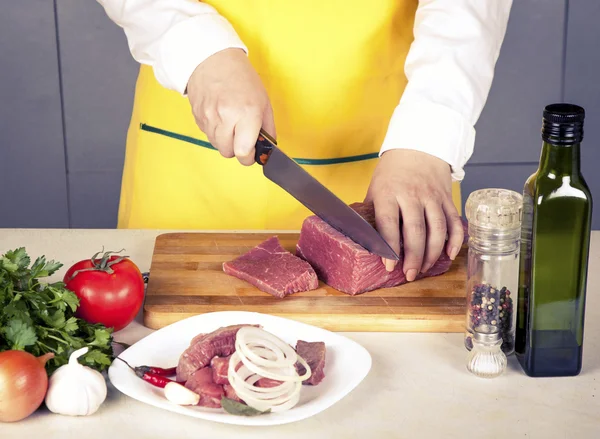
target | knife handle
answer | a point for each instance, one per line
(264, 147)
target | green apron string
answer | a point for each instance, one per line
(300, 161)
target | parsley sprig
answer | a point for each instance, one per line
(40, 318)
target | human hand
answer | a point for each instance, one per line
(416, 187)
(230, 104)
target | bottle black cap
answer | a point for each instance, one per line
(562, 124)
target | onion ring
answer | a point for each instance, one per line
(263, 355)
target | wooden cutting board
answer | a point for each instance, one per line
(186, 279)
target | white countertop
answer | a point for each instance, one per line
(418, 386)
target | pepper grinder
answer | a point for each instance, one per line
(494, 217)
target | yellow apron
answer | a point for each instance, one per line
(334, 71)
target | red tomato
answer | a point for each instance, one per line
(110, 290)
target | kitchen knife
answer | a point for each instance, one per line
(285, 172)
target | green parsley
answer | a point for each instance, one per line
(40, 318)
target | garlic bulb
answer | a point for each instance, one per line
(74, 389)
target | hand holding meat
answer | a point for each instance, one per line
(230, 104)
(412, 195)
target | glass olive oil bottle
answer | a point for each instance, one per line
(555, 236)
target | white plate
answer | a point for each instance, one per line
(346, 365)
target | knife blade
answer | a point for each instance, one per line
(286, 173)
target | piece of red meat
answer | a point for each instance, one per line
(218, 343)
(314, 354)
(230, 393)
(220, 366)
(202, 383)
(274, 270)
(267, 382)
(348, 267)
(197, 338)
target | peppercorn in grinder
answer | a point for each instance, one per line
(494, 217)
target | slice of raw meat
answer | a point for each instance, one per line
(202, 383)
(348, 267)
(230, 393)
(267, 382)
(274, 270)
(218, 343)
(314, 354)
(220, 366)
(197, 338)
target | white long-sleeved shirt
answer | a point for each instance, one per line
(450, 65)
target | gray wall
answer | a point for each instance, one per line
(67, 81)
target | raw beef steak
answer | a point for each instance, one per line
(314, 354)
(274, 270)
(345, 265)
(196, 339)
(202, 383)
(230, 393)
(268, 382)
(220, 367)
(218, 343)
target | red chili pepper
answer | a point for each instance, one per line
(156, 376)
(156, 370)
(141, 370)
(156, 380)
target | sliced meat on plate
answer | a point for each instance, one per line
(230, 393)
(267, 382)
(197, 338)
(220, 366)
(218, 343)
(202, 383)
(314, 354)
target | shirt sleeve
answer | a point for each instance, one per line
(172, 36)
(449, 67)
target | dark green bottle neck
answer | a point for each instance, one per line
(560, 159)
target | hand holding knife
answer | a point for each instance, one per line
(285, 172)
